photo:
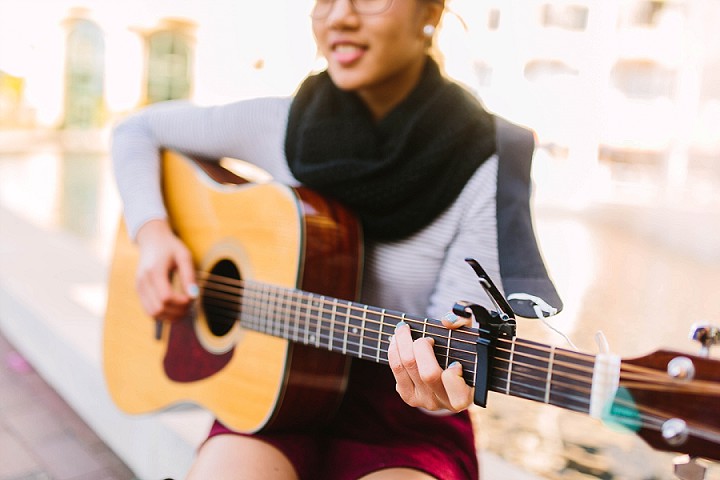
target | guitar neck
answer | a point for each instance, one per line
(520, 368)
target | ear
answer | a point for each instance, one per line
(433, 12)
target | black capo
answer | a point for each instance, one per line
(492, 325)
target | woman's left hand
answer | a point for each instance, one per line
(421, 382)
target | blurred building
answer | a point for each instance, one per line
(631, 85)
(169, 60)
(84, 105)
(14, 112)
(614, 82)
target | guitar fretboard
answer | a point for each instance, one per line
(521, 368)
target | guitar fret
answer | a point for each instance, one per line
(313, 319)
(362, 332)
(323, 333)
(572, 388)
(387, 330)
(318, 317)
(262, 306)
(434, 329)
(447, 348)
(341, 313)
(270, 310)
(332, 324)
(510, 366)
(281, 313)
(529, 371)
(345, 336)
(247, 312)
(380, 334)
(301, 302)
(268, 318)
(296, 308)
(253, 309)
(372, 331)
(546, 374)
(549, 375)
(357, 327)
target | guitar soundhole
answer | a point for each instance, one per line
(221, 297)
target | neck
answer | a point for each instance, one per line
(382, 98)
(521, 368)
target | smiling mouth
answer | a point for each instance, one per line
(347, 53)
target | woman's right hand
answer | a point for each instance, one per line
(163, 254)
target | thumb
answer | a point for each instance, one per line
(186, 272)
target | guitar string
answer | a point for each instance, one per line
(650, 418)
(357, 332)
(631, 372)
(441, 348)
(643, 370)
(232, 281)
(347, 304)
(321, 300)
(582, 400)
(648, 421)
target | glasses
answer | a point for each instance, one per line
(322, 8)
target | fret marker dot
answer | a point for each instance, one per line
(354, 330)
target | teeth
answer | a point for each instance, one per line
(346, 48)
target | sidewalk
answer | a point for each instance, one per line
(51, 303)
(41, 437)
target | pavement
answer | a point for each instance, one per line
(41, 437)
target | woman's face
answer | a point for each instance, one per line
(379, 56)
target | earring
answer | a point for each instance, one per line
(429, 31)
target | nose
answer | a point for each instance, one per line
(340, 11)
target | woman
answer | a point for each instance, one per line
(414, 156)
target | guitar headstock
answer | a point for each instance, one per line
(672, 401)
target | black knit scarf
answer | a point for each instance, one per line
(397, 174)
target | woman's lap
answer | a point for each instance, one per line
(373, 430)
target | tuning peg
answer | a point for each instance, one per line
(707, 335)
(687, 468)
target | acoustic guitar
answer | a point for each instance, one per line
(269, 340)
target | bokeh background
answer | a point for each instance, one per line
(624, 97)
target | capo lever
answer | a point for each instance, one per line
(503, 307)
(492, 325)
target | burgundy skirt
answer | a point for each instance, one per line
(374, 429)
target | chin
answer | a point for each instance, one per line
(346, 82)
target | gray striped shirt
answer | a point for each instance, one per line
(424, 274)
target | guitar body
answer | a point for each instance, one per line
(268, 233)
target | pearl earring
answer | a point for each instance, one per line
(429, 31)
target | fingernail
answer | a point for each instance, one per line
(455, 365)
(193, 290)
(399, 325)
(450, 317)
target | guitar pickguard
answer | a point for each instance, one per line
(186, 360)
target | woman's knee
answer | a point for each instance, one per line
(236, 457)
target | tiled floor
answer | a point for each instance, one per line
(41, 437)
